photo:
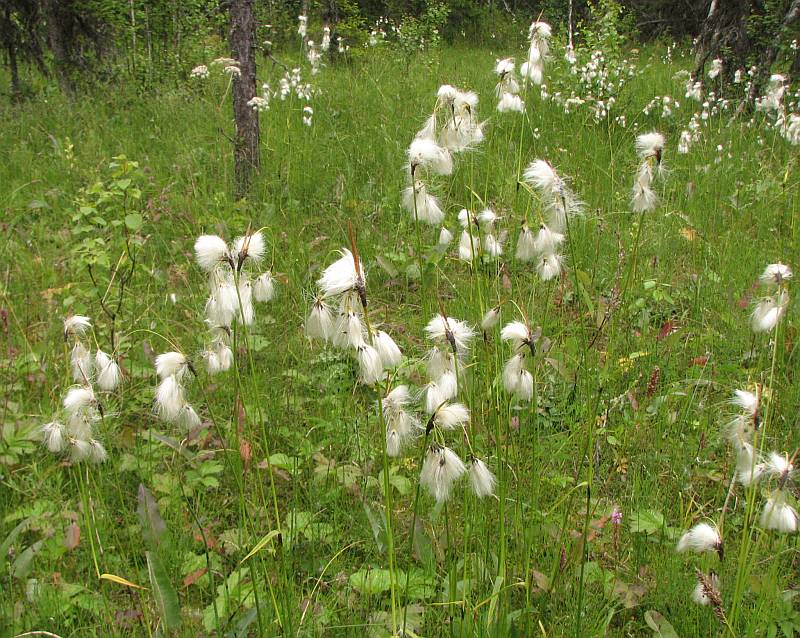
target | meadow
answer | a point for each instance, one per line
(278, 511)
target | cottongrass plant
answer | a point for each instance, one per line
(559, 205)
(344, 284)
(75, 433)
(771, 308)
(507, 87)
(234, 283)
(517, 379)
(533, 68)
(650, 147)
(773, 472)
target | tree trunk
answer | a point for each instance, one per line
(724, 34)
(242, 40)
(767, 59)
(56, 20)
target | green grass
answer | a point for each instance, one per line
(637, 416)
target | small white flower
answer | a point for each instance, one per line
(524, 390)
(701, 538)
(200, 72)
(445, 237)
(441, 469)
(481, 478)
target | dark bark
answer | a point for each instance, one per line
(725, 28)
(246, 147)
(768, 57)
(56, 21)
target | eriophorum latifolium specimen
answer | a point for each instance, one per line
(546, 388)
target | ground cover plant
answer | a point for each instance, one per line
(501, 342)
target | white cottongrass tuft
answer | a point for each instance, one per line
(441, 469)
(526, 245)
(549, 267)
(78, 398)
(510, 103)
(76, 325)
(426, 153)
(701, 538)
(778, 466)
(481, 478)
(768, 312)
(650, 145)
(422, 205)
(746, 401)
(171, 364)
(81, 363)
(776, 274)
(370, 365)
(341, 275)
(699, 595)
(468, 246)
(387, 350)
(445, 237)
(210, 251)
(264, 287)
(53, 437)
(319, 323)
(348, 331)
(450, 416)
(108, 372)
(491, 318)
(169, 399)
(446, 330)
(778, 515)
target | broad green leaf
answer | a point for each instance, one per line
(661, 626)
(133, 221)
(646, 521)
(169, 609)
